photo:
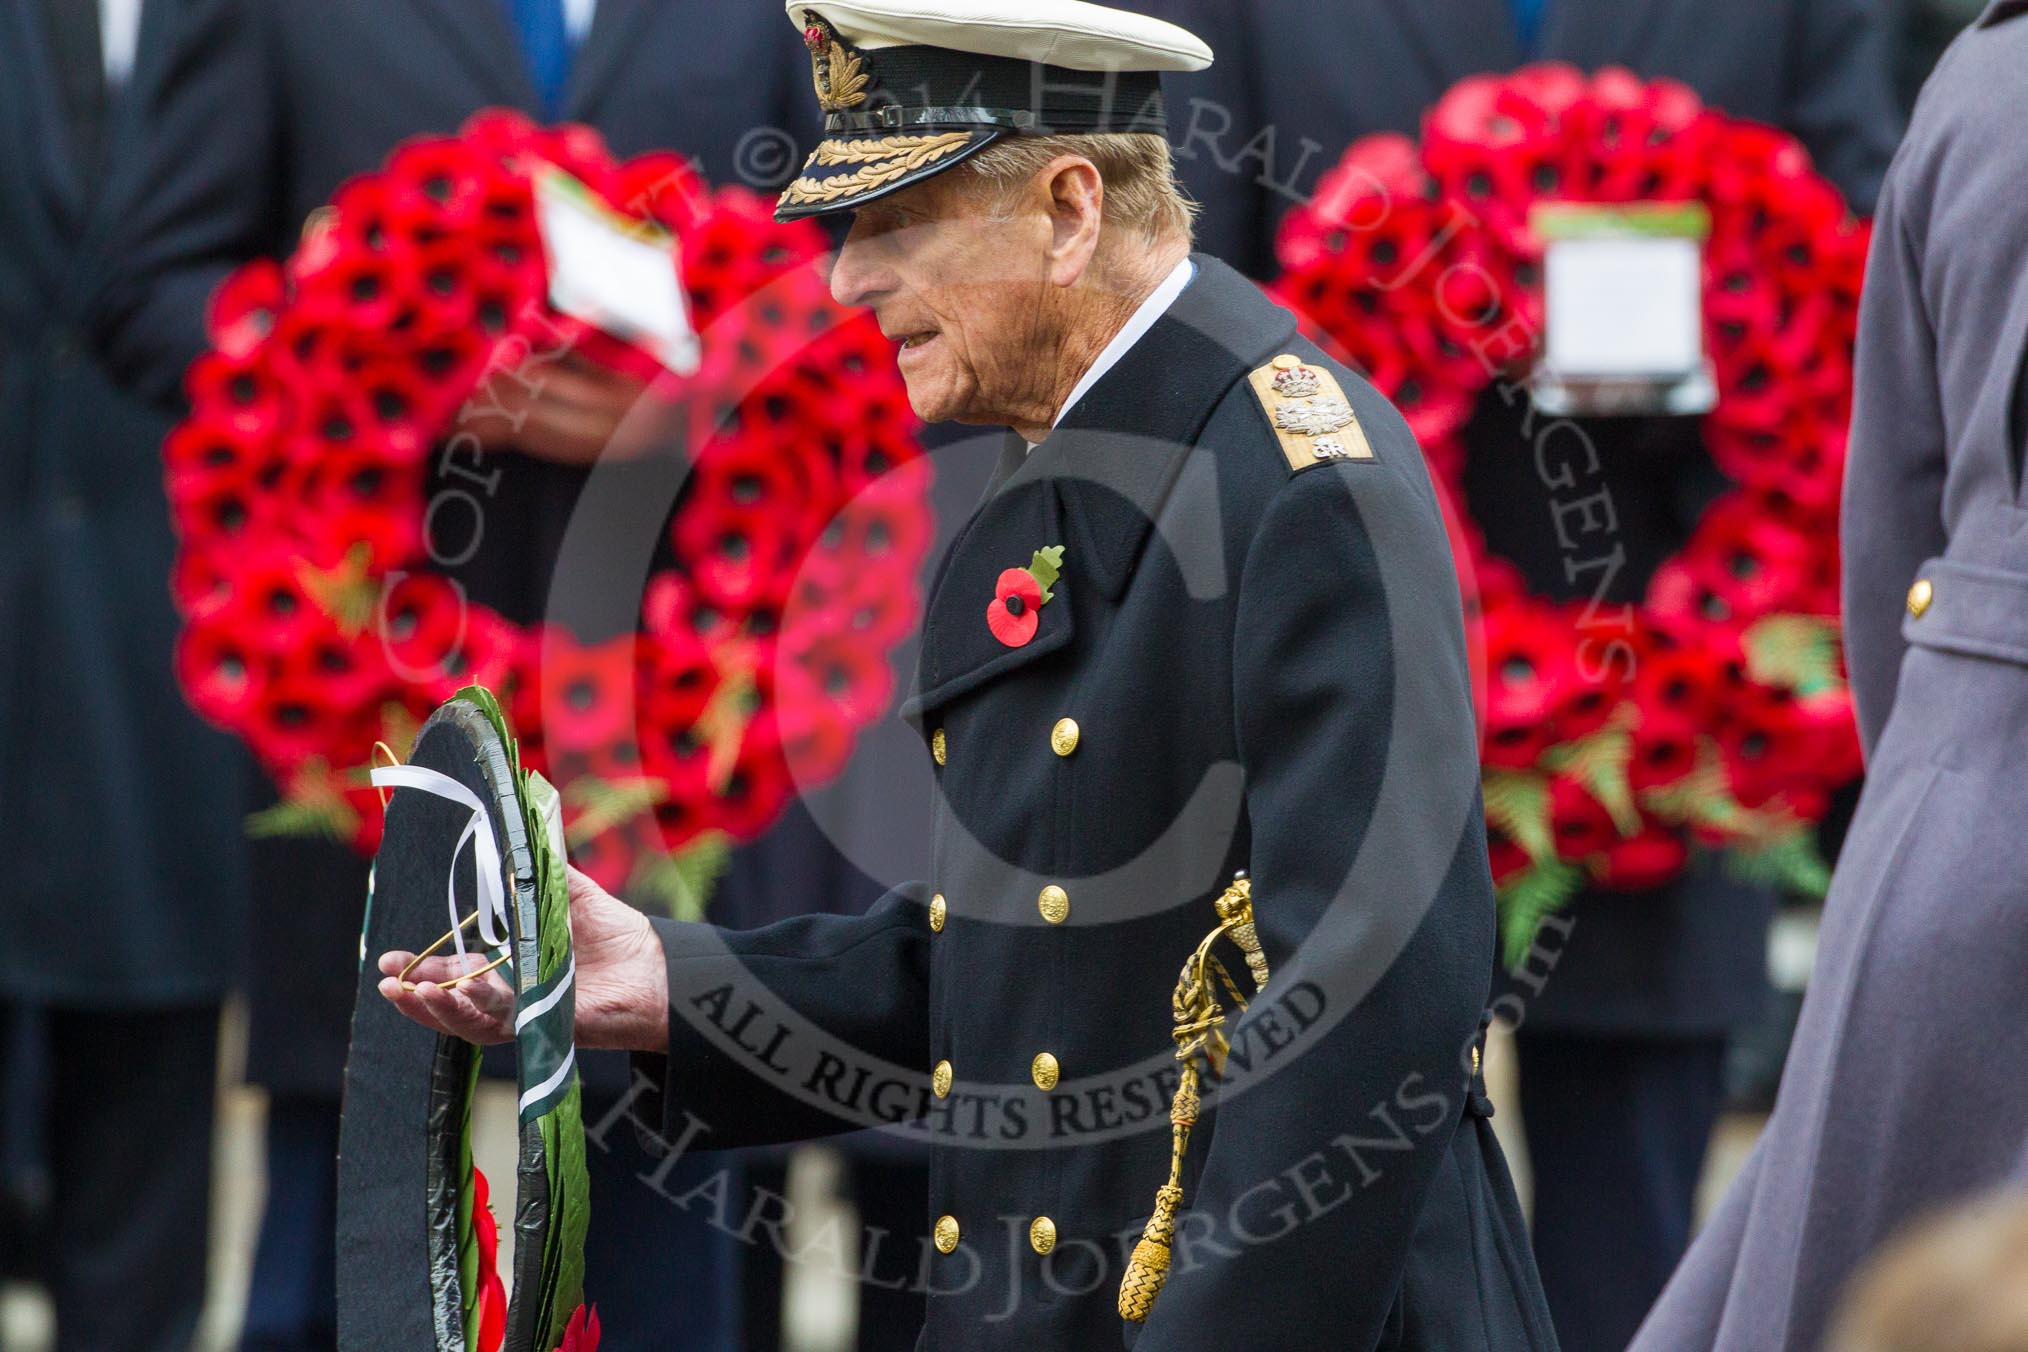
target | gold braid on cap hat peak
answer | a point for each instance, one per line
(881, 160)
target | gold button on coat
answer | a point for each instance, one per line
(939, 746)
(1919, 597)
(939, 912)
(1054, 903)
(1063, 737)
(940, 1079)
(1046, 1071)
(946, 1233)
(1042, 1234)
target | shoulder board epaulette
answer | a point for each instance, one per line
(1311, 416)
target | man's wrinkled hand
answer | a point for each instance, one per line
(622, 984)
(573, 412)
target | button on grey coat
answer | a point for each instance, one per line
(1903, 1090)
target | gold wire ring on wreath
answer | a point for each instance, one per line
(447, 936)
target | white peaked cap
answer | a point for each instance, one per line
(1070, 34)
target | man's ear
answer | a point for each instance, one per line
(1076, 198)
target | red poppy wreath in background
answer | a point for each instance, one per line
(1716, 715)
(301, 485)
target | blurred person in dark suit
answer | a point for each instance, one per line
(119, 811)
(1622, 1051)
(338, 87)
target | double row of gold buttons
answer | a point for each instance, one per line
(1054, 903)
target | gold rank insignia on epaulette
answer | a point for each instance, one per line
(1311, 416)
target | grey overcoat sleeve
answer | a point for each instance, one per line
(1894, 477)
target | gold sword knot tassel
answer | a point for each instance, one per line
(1200, 1035)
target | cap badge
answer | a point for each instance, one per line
(838, 73)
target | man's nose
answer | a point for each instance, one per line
(857, 277)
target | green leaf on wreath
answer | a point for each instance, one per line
(1701, 798)
(683, 880)
(347, 593)
(724, 722)
(1045, 568)
(1787, 859)
(1517, 804)
(603, 804)
(562, 1126)
(570, 1197)
(399, 729)
(468, 1232)
(1800, 652)
(312, 808)
(1601, 762)
(1538, 891)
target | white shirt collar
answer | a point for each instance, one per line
(1136, 327)
(119, 35)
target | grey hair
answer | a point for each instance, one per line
(1139, 175)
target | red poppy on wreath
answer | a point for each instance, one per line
(219, 671)
(492, 1293)
(1019, 595)
(587, 692)
(581, 1334)
(1646, 860)
(243, 309)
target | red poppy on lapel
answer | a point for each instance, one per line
(1019, 596)
(1016, 608)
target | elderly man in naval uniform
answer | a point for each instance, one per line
(1203, 625)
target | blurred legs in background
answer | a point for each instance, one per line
(130, 1105)
(663, 1278)
(24, 1157)
(885, 1185)
(1617, 1133)
(292, 1301)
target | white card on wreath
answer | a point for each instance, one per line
(1623, 290)
(617, 274)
